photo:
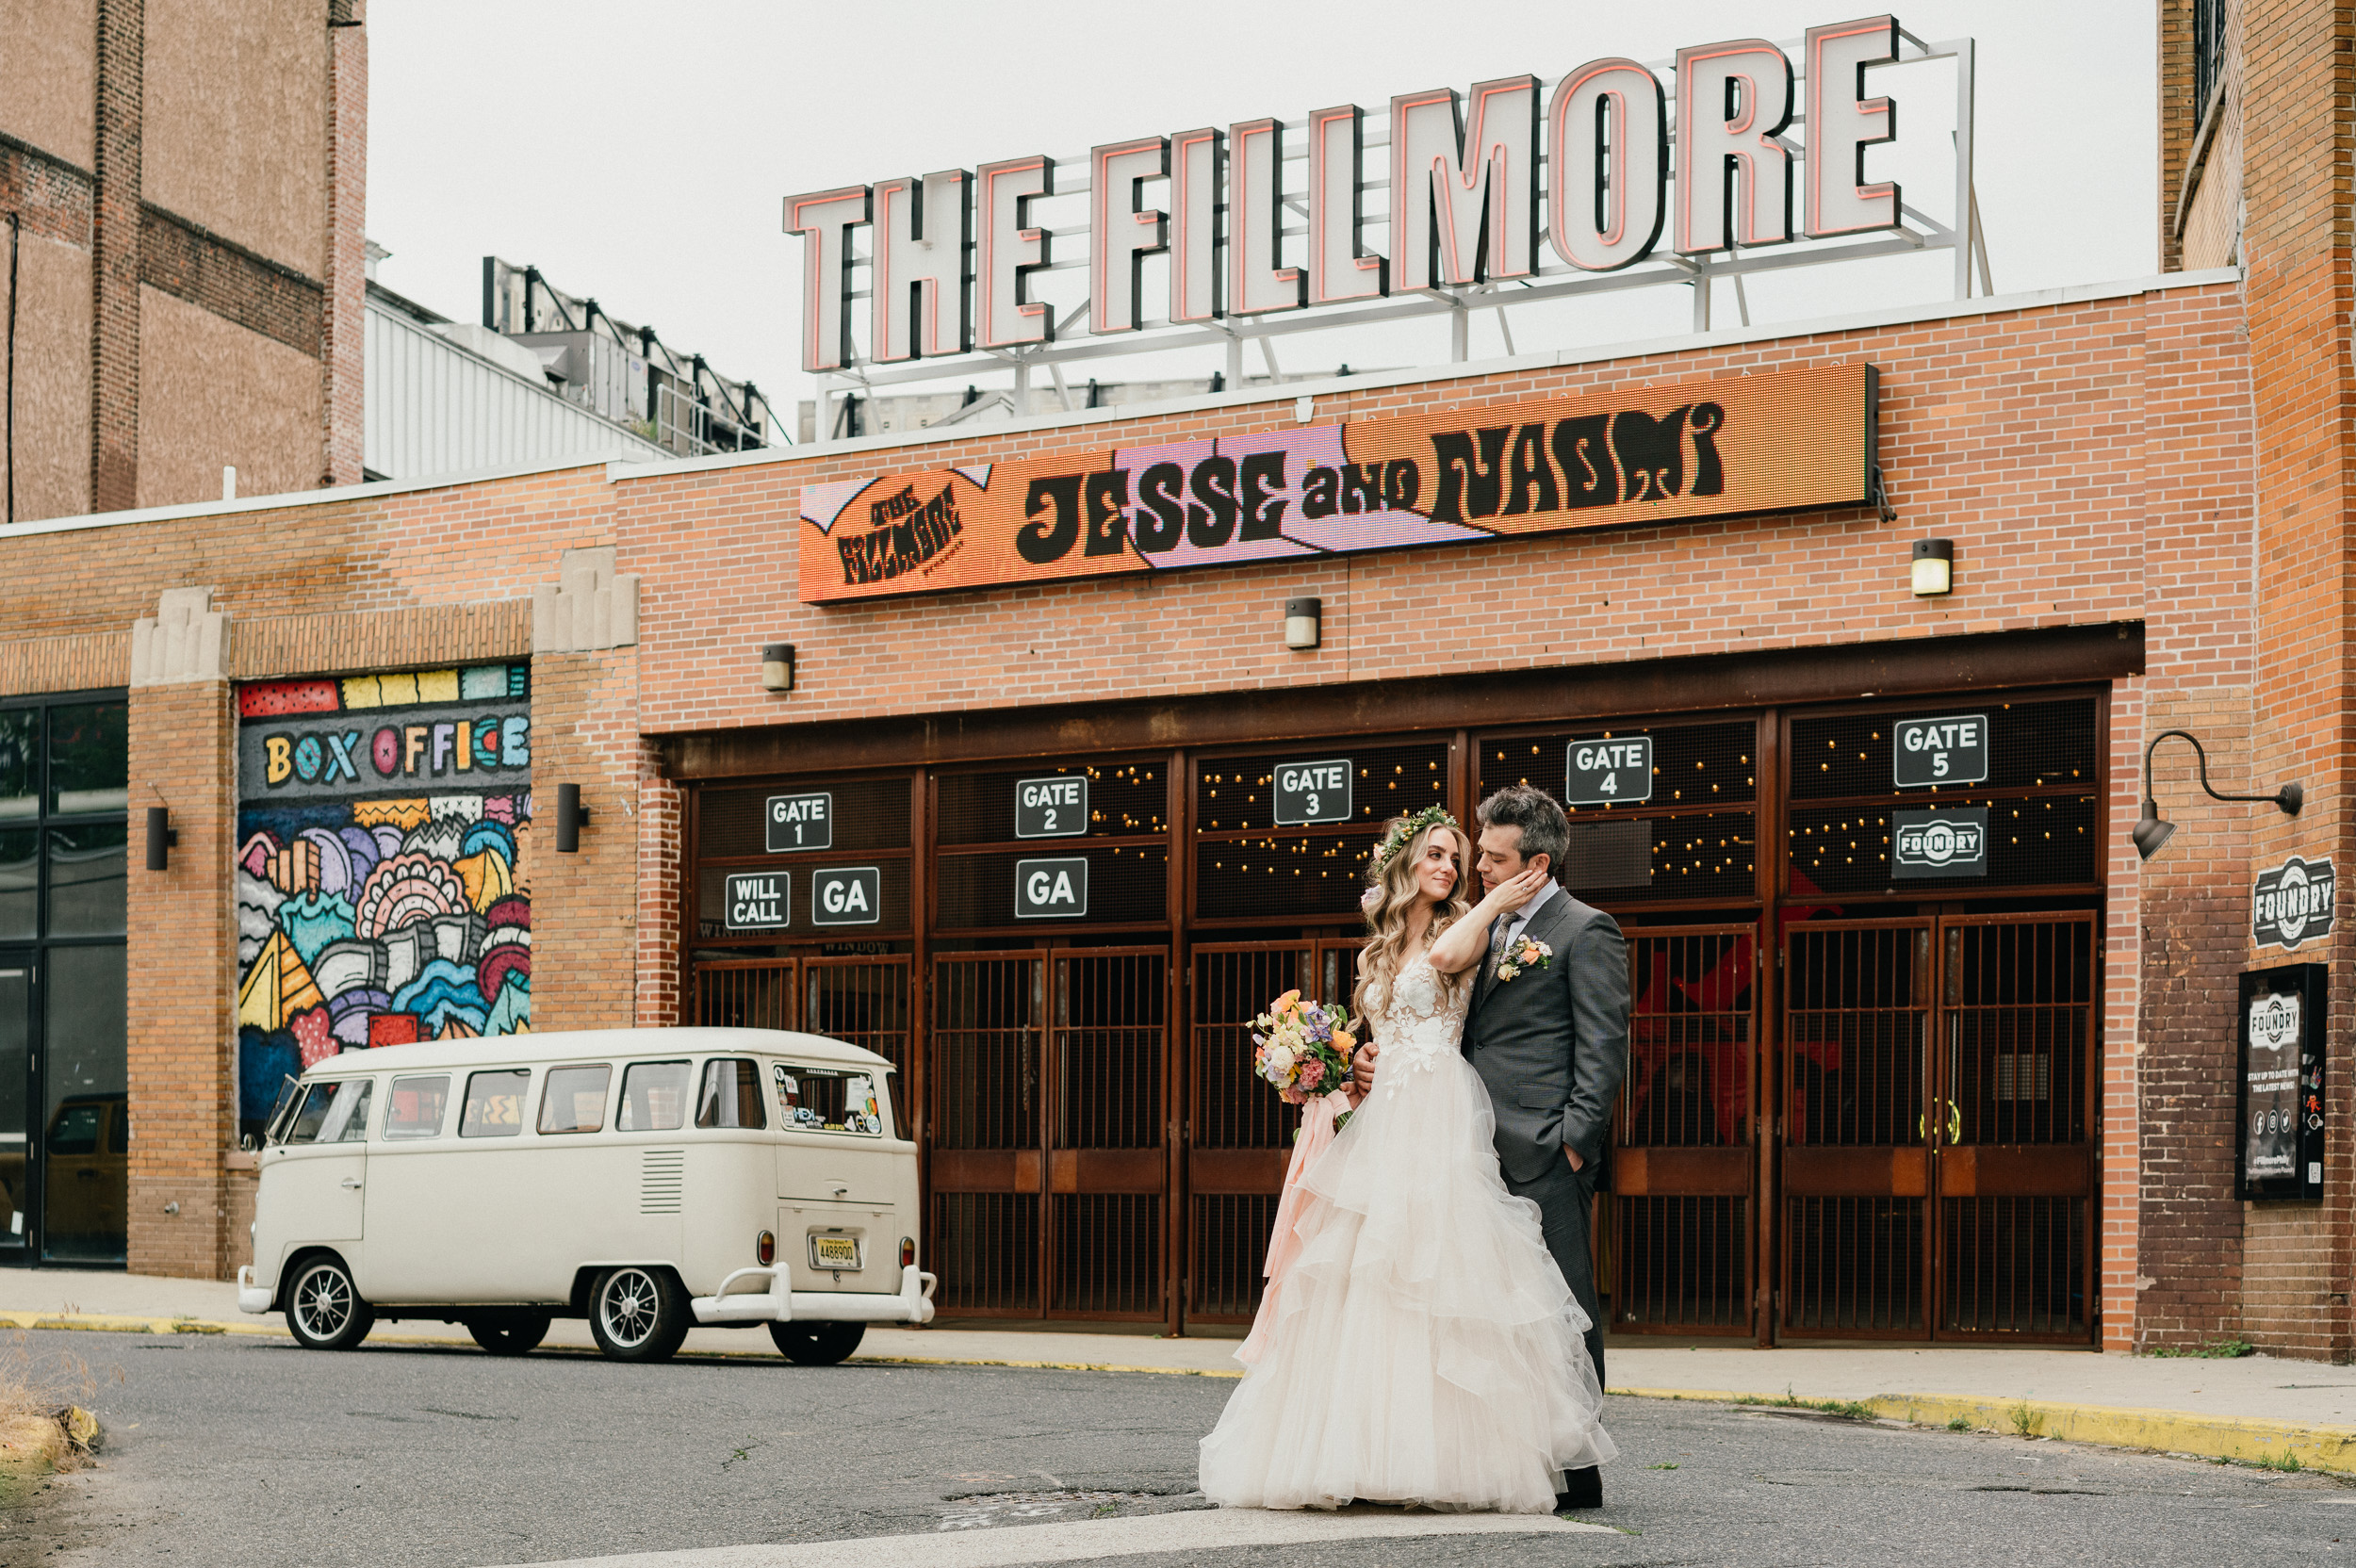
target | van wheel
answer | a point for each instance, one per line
(324, 1309)
(638, 1314)
(817, 1344)
(509, 1333)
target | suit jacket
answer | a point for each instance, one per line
(1551, 1044)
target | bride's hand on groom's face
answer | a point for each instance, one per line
(1516, 891)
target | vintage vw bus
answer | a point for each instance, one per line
(649, 1180)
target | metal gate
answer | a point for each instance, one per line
(863, 1001)
(1937, 1172)
(1049, 1165)
(1684, 1159)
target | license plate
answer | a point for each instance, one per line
(834, 1252)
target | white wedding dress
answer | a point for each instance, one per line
(1426, 1349)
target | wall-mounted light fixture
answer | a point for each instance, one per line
(2150, 832)
(571, 816)
(161, 836)
(776, 666)
(1934, 569)
(1304, 621)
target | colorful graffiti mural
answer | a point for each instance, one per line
(381, 891)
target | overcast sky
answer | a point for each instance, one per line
(640, 154)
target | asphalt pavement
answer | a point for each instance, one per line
(246, 1450)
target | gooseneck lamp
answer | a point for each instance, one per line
(2150, 832)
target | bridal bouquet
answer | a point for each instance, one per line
(1303, 1048)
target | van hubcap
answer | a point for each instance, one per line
(629, 1307)
(323, 1302)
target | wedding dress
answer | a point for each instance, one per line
(1423, 1347)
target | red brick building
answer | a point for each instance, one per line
(1863, 1102)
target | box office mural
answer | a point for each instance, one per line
(1863, 1056)
(381, 884)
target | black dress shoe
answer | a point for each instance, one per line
(1581, 1489)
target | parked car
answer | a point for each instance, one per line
(649, 1180)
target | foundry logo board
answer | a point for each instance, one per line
(1938, 843)
(2293, 904)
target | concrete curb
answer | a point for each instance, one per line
(2248, 1439)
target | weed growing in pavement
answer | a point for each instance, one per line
(2026, 1419)
(1663, 1467)
(2224, 1349)
(2288, 1464)
(1958, 1424)
(1848, 1410)
(40, 1428)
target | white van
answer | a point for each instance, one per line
(649, 1180)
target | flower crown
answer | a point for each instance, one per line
(1404, 833)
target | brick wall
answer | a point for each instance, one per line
(585, 907)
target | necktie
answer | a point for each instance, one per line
(1496, 945)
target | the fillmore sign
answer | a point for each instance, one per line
(953, 256)
(1800, 439)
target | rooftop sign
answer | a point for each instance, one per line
(1801, 440)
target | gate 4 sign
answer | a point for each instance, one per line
(1938, 843)
(800, 822)
(1951, 750)
(1313, 791)
(2293, 903)
(759, 901)
(1050, 808)
(1050, 890)
(847, 895)
(1607, 771)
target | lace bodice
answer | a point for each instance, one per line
(1415, 1025)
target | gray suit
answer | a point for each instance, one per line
(1551, 1044)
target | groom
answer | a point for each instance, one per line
(1551, 1044)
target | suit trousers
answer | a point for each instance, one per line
(1567, 1204)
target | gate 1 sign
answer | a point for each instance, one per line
(1052, 807)
(847, 895)
(2293, 903)
(2282, 1081)
(1607, 771)
(1952, 750)
(1938, 843)
(1050, 890)
(761, 900)
(800, 822)
(1799, 440)
(1313, 791)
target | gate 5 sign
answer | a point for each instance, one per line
(1938, 844)
(800, 822)
(1952, 750)
(847, 895)
(1052, 807)
(1799, 440)
(1607, 771)
(1050, 890)
(2293, 903)
(1313, 791)
(761, 900)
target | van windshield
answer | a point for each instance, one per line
(335, 1112)
(832, 1099)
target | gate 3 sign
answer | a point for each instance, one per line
(2293, 903)
(1801, 440)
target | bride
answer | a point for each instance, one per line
(1423, 1347)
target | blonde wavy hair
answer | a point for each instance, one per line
(1394, 889)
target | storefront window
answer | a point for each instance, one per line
(86, 880)
(89, 759)
(20, 884)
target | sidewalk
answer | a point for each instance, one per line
(2251, 1408)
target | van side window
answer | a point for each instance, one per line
(333, 1112)
(414, 1109)
(495, 1104)
(830, 1099)
(732, 1095)
(654, 1098)
(573, 1101)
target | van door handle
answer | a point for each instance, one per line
(352, 1182)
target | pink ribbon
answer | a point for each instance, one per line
(1317, 1131)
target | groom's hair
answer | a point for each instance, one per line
(1544, 828)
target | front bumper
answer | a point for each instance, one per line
(251, 1297)
(769, 1303)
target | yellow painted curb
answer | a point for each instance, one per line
(2249, 1439)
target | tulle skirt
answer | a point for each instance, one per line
(1425, 1348)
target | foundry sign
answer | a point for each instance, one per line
(952, 257)
(1938, 843)
(2293, 904)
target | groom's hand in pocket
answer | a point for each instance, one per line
(1362, 1070)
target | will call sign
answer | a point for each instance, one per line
(1794, 441)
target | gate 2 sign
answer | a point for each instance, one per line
(1052, 807)
(2293, 903)
(1951, 750)
(1607, 771)
(1795, 441)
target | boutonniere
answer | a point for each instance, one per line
(1523, 953)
